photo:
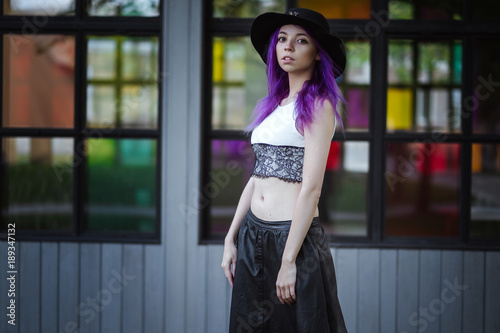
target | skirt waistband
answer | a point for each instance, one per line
(277, 225)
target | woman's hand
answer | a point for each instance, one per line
(285, 284)
(229, 260)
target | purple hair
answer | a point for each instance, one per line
(322, 86)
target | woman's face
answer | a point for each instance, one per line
(296, 51)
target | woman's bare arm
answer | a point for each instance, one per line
(317, 145)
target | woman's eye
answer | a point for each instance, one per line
(302, 41)
(281, 39)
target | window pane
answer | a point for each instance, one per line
(246, 8)
(232, 166)
(122, 82)
(37, 183)
(345, 9)
(121, 180)
(423, 9)
(355, 86)
(422, 189)
(39, 8)
(486, 9)
(124, 7)
(238, 82)
(342, 206)
(484, 103)
(38, 80)
(424, 93)
(485, 205)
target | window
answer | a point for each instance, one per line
(419, 158)
(80, 119)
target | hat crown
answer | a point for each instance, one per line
(311, 16)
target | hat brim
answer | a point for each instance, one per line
(266, 24)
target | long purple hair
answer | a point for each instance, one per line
(322, 86)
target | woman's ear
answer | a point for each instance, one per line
(318, 57)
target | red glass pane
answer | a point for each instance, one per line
(38, 81)
(422, 189)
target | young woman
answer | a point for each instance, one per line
(275, 256)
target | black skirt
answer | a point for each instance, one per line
(255, 306)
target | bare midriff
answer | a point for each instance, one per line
(274, 199)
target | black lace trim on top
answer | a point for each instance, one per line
(283, 162)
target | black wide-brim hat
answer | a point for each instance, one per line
(311, 21)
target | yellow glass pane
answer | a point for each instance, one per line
(399, 109)
(345, 9)
(476, 158)
(218, 62)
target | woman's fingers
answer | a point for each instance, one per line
(286, 294)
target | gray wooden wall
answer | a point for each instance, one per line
(70, 287)
(179, 287)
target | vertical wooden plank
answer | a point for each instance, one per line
(153, 288)
(111, 315)
(407, 292)
(196, 300)
(473, 307)
(492, 301)
(346, 270)
(131, 279)
(6, 293)
(69, 281)
(92, 298)
(430, 305)
(217, 292)
(388, 290)
(49, 286)
(176, 90)
(29, 274)
(197, 289)
(451, 273)
(368, 291)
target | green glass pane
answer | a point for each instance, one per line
(425, 9)
(238, 82)
(122, 82)
(39, 8)
(124, 7)
(246, 8)
(485, 202)
(358, 67)
(457, 62)
(400, 62)
(434, 62)
(140, 57)
(37, 183)
(121, 185)
(101, 58)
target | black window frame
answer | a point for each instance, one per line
(377, 137)
(80, 25)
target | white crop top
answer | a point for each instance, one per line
(279, 146)
(279, 129)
